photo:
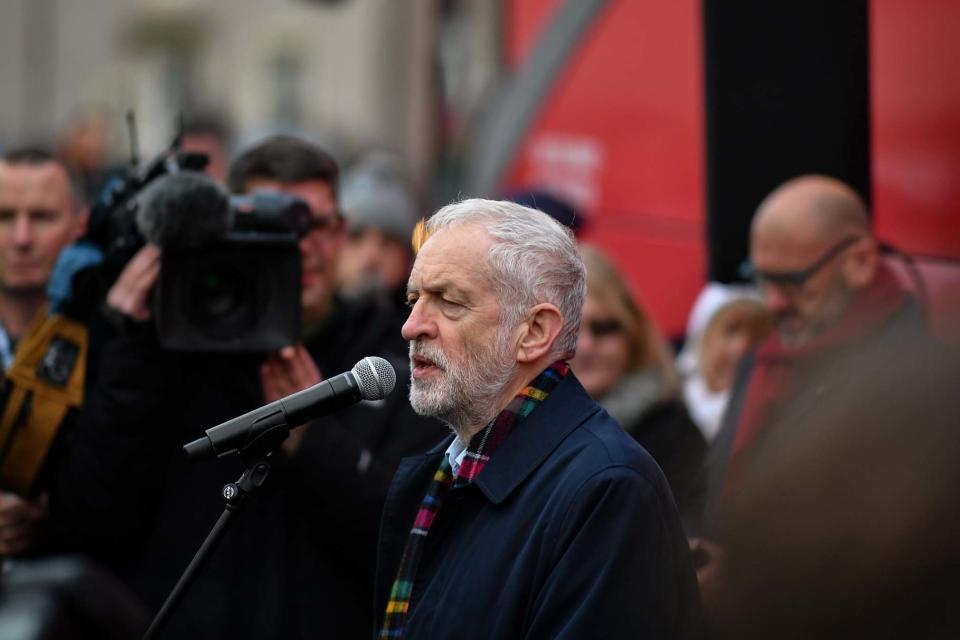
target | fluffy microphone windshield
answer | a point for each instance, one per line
(183, 210)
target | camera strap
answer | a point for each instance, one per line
(44, 382)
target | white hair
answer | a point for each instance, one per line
(533, 259)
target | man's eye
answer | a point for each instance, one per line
(451, 307)
(43, 215)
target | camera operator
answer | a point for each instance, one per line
(299, 559)
(345, 465)
(41, 211)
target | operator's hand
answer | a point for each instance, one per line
(130, 294)
(288, 371)
(22, 523)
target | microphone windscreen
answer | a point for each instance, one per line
(375, 376)
(183, 210)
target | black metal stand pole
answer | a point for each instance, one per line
(234, 494)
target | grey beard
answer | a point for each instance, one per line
(834, 308)
(467, 396)
(795, 339)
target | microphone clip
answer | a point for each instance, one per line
(268, 434)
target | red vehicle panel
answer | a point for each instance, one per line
(621, 136)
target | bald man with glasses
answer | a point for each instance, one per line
(818, 268)
(811, 254)
(834, 301)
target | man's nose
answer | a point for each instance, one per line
(774, 299)
(371, 255)
(418, 325)
(22, 231)
(306, 246)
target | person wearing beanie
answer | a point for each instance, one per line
(380, 214)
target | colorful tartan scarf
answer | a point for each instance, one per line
(481, 448)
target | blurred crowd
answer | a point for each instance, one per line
(806, 426)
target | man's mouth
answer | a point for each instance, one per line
(422, 367)
(309, 276)
(787, 319)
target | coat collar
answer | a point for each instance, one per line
(535, 438)
(527, 445)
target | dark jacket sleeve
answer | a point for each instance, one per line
(644, 585)
(345, 484)
(111, 468)
(670, 436)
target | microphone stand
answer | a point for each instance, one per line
(256, 460)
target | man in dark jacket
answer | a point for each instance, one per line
(301, 555)
(540, 517)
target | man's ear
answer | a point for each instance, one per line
(861, 263)
(539, 332)
(83, 218)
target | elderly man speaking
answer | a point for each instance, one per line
(539, 517)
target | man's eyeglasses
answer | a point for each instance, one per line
(602, 328)
(321, 224)
(794, 280)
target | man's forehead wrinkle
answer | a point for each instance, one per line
(445, 277)
(39, 188)
(452, 261)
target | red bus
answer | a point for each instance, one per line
(620, 129)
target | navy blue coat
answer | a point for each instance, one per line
(570, 531)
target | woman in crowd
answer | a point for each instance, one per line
(625, 364)
(725, 323)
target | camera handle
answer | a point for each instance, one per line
(234, 496)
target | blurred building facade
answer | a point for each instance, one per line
(350, 73)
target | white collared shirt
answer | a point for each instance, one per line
(455, 453)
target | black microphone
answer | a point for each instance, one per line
(370, 379)
(183, 210)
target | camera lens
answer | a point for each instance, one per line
(240, 295)
(221, 301)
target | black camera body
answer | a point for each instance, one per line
(240, 293)
(230, 276)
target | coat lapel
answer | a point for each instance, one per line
(535, 438)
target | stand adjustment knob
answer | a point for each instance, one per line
(231, 491)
